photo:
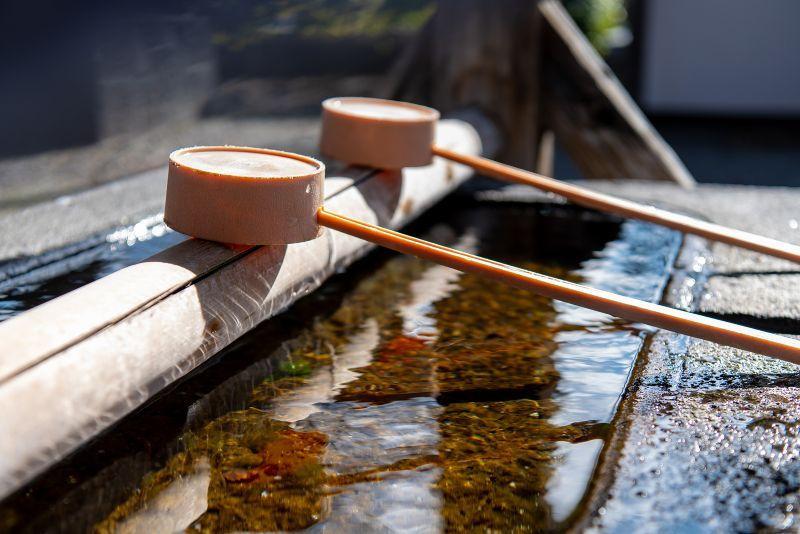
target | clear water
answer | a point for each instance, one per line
(400, 396)
(28, 282)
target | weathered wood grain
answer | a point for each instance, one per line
(526, 65)
(591, 113)
(480, 55)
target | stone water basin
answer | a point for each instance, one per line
(401, 396)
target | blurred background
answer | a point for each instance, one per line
(95, 91)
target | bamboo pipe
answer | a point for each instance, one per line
(389, 134)
(257, 196)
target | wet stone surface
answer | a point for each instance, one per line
(699, 460)
(711, 444)
(711, 440)
(767, 299)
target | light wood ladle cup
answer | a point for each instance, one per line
(266, 197)
(390, 135)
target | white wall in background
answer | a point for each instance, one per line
(721, 56)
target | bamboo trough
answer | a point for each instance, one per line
(71, 368)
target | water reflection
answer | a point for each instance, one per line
(176, 507)
(596, 351)
(365, 437)
(426, 400)
(574, 464)
(326, 381)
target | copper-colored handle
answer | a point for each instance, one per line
(628, 308)
(626, 208)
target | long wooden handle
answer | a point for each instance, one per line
(628, 308)
(626, 208)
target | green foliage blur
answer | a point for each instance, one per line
(599, 19)
(240, 23)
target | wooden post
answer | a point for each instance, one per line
(593, 116)
(484, 55)
(527, 66)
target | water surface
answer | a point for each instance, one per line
(30, 281)
(400, 396)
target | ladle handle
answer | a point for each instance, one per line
(626, 208)
(628, 308)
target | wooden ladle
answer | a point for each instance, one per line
(267, 197)
(390, 135)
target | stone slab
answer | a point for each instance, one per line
(758, 295)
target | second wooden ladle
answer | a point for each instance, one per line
(390, 135)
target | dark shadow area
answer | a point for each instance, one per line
(75, 74)
(32, 115)
(723, 382)
(741, 150)
(737, 274)
(382, 194)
